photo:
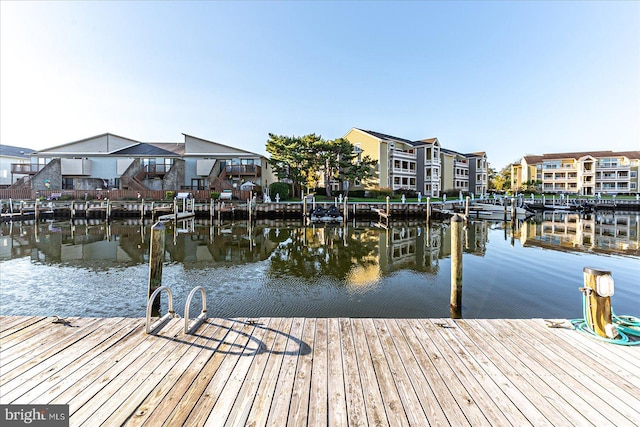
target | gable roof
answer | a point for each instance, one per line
(13, 151)
(227, 148)
(144, 149)
(386, 137)
(580, 154)
(107, 134)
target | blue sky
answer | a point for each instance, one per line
(508, 78)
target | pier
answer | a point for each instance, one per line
(319, 371)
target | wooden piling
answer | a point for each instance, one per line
(36, 211)
(428, 210)
(455, 302)
(156, 258)
(466, 209)
(387, 207)
(599, 306)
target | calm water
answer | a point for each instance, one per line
(285, 269)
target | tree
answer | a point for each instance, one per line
(500, 181)
(301, 160)
(360, 170)
(291, 159)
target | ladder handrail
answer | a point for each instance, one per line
(203, 313)
(170, 313)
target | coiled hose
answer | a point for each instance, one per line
(628, 326)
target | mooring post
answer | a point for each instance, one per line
(598, 289)
(156, 258)
(455, 302)
(428, 210)
(304, 206)
(466, 209)
(35, 210)
(175, 209)
(142, 211)
(513, 209)
(345, 210)
(387, 207)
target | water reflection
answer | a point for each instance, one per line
(602, 232)
(269, 268)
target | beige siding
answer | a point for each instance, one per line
(373, 148)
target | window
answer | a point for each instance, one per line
(67, 183)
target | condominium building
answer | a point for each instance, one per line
(402, 163)
(582, 173)
(110, 161)
(422, 166)
(11, 155)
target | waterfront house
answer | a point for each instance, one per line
(10, 155)
(582, 173)
(110, 161)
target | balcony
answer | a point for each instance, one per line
(75, 167)
(397, 154)
(26, 168)
(253, 170)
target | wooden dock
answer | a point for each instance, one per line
(301, 371)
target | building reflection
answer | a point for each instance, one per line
(602, 232)
(358, 254)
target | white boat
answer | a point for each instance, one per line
(489, 211)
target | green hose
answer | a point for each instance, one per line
(627, 326)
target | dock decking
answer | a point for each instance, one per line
(307, 371)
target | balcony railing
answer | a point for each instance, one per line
(243, 170)
(26, 168)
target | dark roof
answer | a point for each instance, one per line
(143, 149)
(11, 151)
(385, 136)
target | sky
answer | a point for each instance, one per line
(507, 78)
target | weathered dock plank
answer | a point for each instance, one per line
(342, 372)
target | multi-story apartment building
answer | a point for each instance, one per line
(11, 155)
(110, 161)
(464, 172)
(422, 166)
(582, 173)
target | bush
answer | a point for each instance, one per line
(214, 195)
(407, 193)
(356, 193)
(321, 191)
(281, 188)
(380, 192)
(455, 194)
(169, 195)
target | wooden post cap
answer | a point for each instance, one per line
(595, 271)
(456, 218)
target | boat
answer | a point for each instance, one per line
(490, 211)
(320, 214)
